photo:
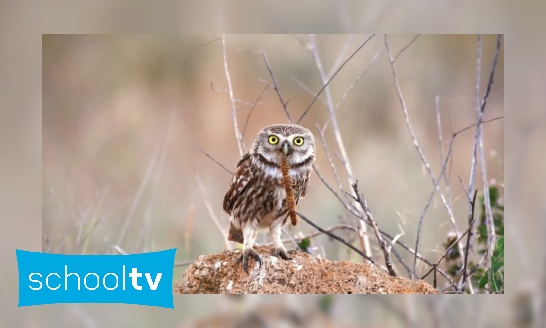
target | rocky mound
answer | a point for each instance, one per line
(305, 274)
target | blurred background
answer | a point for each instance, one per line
(21, 114)
(123, 116)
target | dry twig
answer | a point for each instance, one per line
(362, 201)
(328, 82)
(471, 221)
(211, 212)
(423, 159)
(343, 241)
(238, 135)
(364, 240)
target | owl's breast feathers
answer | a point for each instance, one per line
(253, 194)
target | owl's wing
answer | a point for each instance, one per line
(302, 188)
(238, 183)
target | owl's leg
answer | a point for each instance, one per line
(275, 230)
(249, 235)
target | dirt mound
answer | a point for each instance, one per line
(305, 274)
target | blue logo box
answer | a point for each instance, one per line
(144, 279)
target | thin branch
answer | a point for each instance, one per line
(238, 136)
(362, 201)
(318, 233)
(406, 47)
(323, 143)
(471, 223)
(184, 263)
(217, 90)
(354, 83)
(211, 41)
(337, 238)
(289, 238)
(211, 212)
(276, 87)
(306, 88)
(441, 146)
(145, 234)
(252, 109)
(138, 196)
(447, 251)
(363, 238)
(215, 161)
(459, 291)
(119, 250)
(487, 201)
(347, 207)
(341, 54)
(423, 159)
(331, 78)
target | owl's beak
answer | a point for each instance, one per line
(285, 148)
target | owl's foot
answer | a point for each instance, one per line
(283, 253)
(244, 258)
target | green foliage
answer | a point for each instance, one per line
(455, 258)
(304, 245)
(497, 269)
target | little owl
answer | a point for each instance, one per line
(256, 198)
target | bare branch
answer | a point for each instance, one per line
(217, 90)
(362, 201)
(487, 201)
(474, 160)
(215, 161)
(323, 143)
(306, 88)
(448, 249)
(238, 135)
(364, 240)
(441, 146)
(138, 196)
(423, 159)
(318, 233)
(119, 250)
(185, 263)
(349, 208)
(211, 41)
(276, 87)
(341, 54)
(459, 291)
(337, 238)
(354, 83)
(289, 238)
(328, 82)
(211, 212)
(252, 109)
(470, 228)
(406, 47)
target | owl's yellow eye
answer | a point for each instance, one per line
(298, 141)
(273, 140)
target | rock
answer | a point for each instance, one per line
(305, 274)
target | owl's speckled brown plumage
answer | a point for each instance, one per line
(256, 197)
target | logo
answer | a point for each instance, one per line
(144, 279)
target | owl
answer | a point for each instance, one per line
(256, 198)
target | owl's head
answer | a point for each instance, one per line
(295, 142)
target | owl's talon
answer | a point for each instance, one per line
(282, 253)
(244, 258)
